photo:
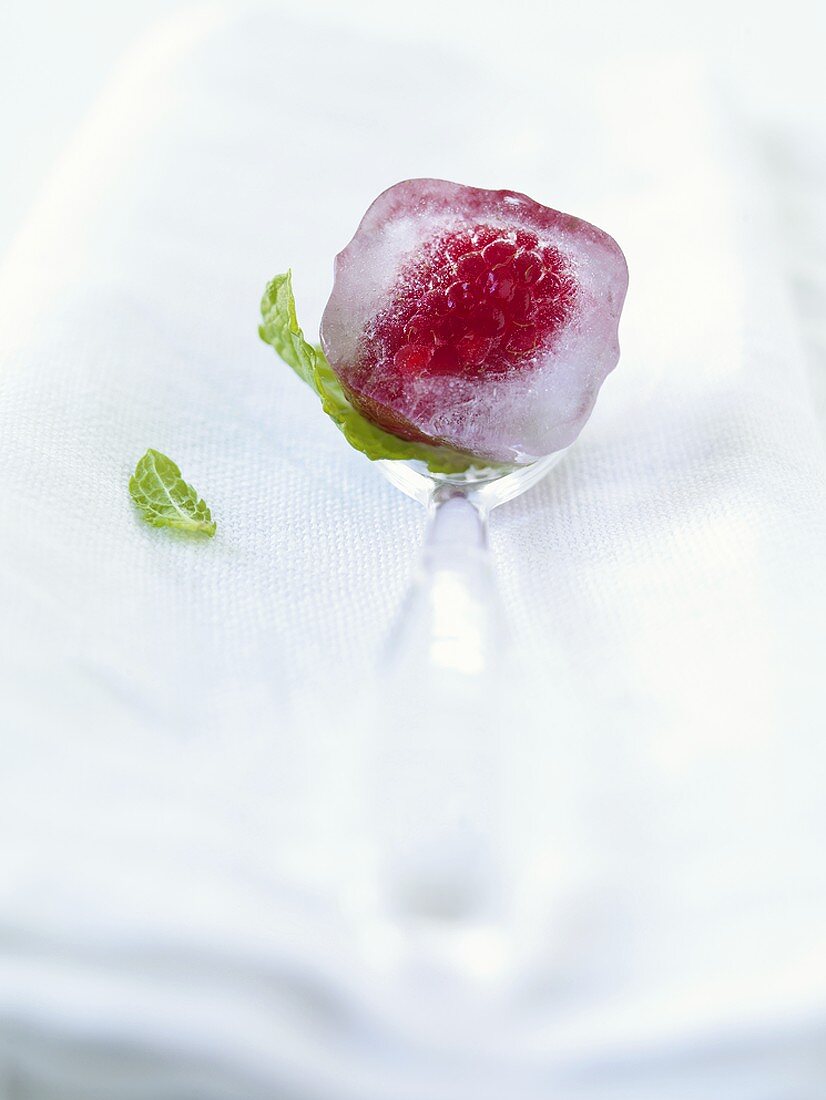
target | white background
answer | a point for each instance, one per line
(670, 579)
(55, 57)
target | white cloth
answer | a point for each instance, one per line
(174, 915)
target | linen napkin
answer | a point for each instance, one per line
(182, 719)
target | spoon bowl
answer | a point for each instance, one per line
(489, 485)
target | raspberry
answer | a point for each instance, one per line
(477, 301)
(476, 319)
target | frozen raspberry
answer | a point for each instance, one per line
(477, 319)
(486, 310)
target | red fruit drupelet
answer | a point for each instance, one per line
(479, 301)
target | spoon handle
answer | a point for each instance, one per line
(448, 622)
(440, 752)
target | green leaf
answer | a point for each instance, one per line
(164, 497)
(281, 330)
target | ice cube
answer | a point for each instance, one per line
(476, 319)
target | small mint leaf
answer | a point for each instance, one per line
(165, 499)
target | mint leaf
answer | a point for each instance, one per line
(281, 330)
(164, 497)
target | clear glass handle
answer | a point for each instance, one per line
(450, 623)
(449, 717)
(439, 753)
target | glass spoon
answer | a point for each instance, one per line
(449, 700)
